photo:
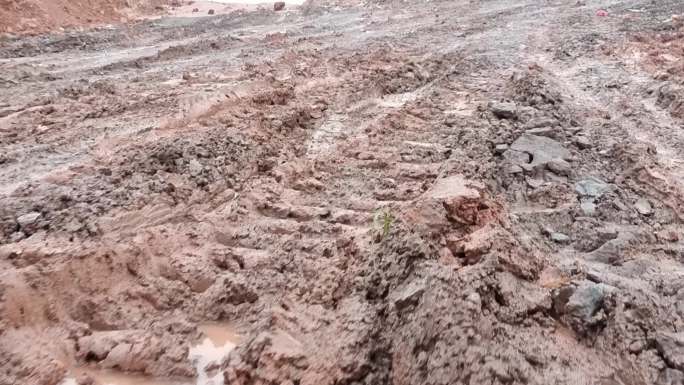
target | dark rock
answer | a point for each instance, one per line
(278, 5)
(211, 12)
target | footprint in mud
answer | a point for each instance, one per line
(219, 340)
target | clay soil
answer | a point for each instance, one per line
(443, 192)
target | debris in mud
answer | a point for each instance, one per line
(278, 5)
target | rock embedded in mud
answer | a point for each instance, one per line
(500, 149)
(560, 167)
(504, 110)
(548, 132)
(540, 122)
(671, 347)
(211, 12)
(536, 151)
(28, 220)
(643, 206)
(591, 187)
(582, 142)
(559, 238)
(410, 295)
(579, 304)
(278, 5)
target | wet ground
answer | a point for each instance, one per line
(411, 193)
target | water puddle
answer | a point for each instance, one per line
(218, 340)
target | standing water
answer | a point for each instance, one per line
(219, 340)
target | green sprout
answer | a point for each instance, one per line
(384, 220)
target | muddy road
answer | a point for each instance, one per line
(449, 192)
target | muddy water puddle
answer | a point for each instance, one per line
(217, 341)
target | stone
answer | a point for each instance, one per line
(500, 148)
(17, 236)
(549, 132)
(643, 206)
(559, 167)
(582, 142)
(195, 10)
(211, 12)
(515, 169)
(504, 110)
(586, 300)
(588, 207)
(540, 122)
(559, 237)
(671, 348)
(278, 5)
(410, 295)
(473, 246)
(28, 220)
(195, 167)
(534, 182)
(541, 149)
(591, 187)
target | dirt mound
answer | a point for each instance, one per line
(37, 16)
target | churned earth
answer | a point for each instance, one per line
(443, 192)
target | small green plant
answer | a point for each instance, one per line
(383, 220)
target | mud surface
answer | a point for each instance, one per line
(484, 192)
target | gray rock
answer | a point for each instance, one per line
(549, 132)
(671, 347)
(500, 148)
(515, 169)
(410, 295)
(559, 237)
(591, 187)
(534, 183)
(195, 167)
(586, 300)
(560, 167)
(582, 142)
(670, 377)
(27, 220)
(504, 110)
(540, 122)
(541, 148)
(588, 207)
(643, 206)
(573, 130)
(17, 236)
